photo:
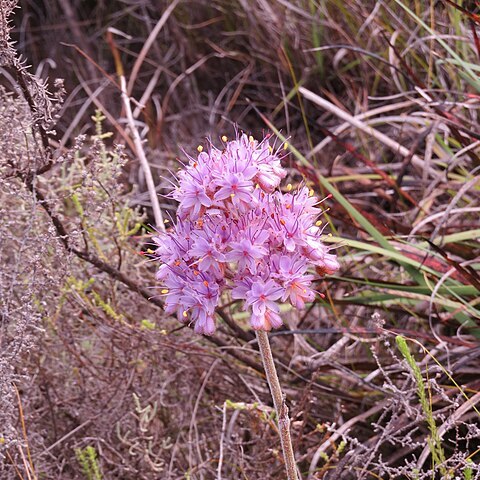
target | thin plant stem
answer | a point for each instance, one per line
(142, 157)
(147, 45)
(279, 404)
(357, 123)
(137, 141)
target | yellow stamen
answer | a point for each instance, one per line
(311, 193)
(200, 149)
(251, 139)
(318, 223)
(285, 145)
(270, 148)
(166, 220)
(185, 314)
(289, 187)
(150, 251)
(224, 138)
(165, 290)
(232, 195)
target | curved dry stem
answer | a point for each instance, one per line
(142, 157)
(381, 137)
(149, 42)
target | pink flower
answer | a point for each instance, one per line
(193, 197)
(246, 254)
(236, 232)
(266, 321)
(234, 186)
(209, 258)
(262, 296)
(269, 176)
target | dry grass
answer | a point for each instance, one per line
(380, 105)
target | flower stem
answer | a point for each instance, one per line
(279, 404)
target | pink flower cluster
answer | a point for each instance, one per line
(236, 232)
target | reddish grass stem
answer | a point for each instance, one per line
(279, 403)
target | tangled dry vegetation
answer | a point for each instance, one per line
(380, 103)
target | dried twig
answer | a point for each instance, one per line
(148, 43)
(142, 157)
(381, 137)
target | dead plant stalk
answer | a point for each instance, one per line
(354, 121)
(141, 156)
